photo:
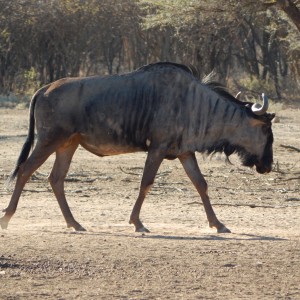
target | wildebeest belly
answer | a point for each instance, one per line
(106, 145)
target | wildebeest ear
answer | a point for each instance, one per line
(270, 116)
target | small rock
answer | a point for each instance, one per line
(259, 264)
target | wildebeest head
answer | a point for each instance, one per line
(263, 123)
(261, 138)
(253, 139)
(263, 162)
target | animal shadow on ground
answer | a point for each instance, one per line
(230, 237)
(233, 237)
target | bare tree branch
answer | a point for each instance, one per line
(290, 8)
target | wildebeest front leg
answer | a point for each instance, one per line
(191, 167)
(60, 168)
(152, 164)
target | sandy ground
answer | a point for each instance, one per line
(182, 258)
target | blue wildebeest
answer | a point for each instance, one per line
(160, 108)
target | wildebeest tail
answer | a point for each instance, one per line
(28, 142)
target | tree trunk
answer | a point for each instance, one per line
(290, 8)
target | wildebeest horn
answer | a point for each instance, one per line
(238, 95)
(261, 109)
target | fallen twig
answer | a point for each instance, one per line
(36, 191)
(130, 173)
(68, 179)
(292, 178)
(290, 147)
(293, 199)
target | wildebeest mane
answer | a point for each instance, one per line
(221, 90)
(217, 87)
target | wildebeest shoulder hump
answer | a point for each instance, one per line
(171, 65)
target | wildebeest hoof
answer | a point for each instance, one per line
(80, 228)
(3, 223)
(223, 229)
(142, 229)
(77, 227)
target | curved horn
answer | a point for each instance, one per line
(238, 95)
(258, 109)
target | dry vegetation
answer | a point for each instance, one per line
(253, 45)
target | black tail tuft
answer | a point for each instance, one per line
(28, 143)
(22, 158)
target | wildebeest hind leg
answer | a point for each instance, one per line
(35, 160)
(152, 164)
(191, 167)
(60, 168)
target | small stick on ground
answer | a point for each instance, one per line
(290, 147)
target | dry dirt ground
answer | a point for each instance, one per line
(182, 258)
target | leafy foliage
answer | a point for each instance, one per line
(41, 41)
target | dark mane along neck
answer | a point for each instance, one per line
(217, 87)
(221, 90)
